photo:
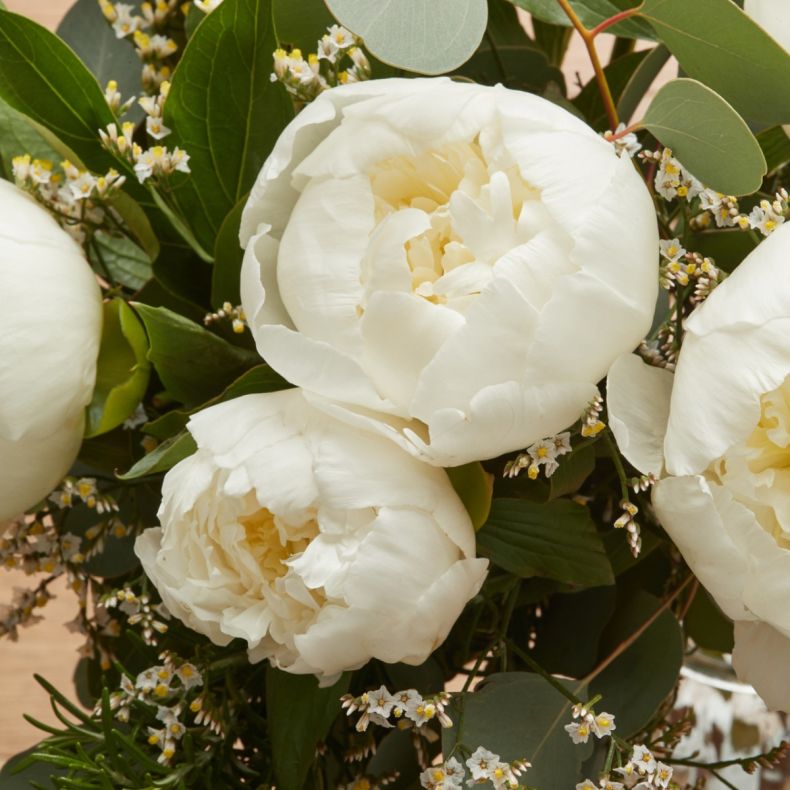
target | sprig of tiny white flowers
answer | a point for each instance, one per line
(236, 316)
(672, 180)
(625, 142)
(139, 611)
(542, 454)
(483, 765)
(601, 725)
(378, 706)
(338, 60)
(679, 267)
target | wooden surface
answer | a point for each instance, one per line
(45, 12)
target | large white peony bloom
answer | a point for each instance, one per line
(726, 501)
(455, 265)
(50, 329)
(773, 16)
(319, 545)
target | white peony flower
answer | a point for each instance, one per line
(319, 545)
(773, 16)
(50, 328)
(452, 264)
(726, 503)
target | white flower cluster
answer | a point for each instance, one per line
(624, 142)
(641, 772)
(672, 179)
(592, 424)
(483, 765)
(600, 725)
(75, 197)
(543, 453)
(139, 611)
(165, 687)
(35, 547)
(84, 490)
(769, 214)
(21, 611)
(378, 706)
(626, 521)
(680, 267)
(305, 79)
(228, 312)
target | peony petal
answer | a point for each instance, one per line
(637, 399)
(761, 657)
(260, 294)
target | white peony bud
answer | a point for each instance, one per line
(50, 329)
(467, 259)
(319, 545)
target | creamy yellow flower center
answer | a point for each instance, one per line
(757, 470)
(455, 187)
(265, 544)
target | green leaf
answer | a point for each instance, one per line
(121, 259)
(88, 33)
(424, 36)
(12, 778)
(301, 24)
(228, 257)
(225, 111)
(707, 625)
(640, 80)
(139, 225)
(574, 469)
(193, 364)
(591, 13)
(635, 684)
(260, 379)
(552, 39)
(776, 147)
(557, 540)
(41, 77)
(707, 136)
(518, 715)
(122, 369)
(475, 487)
(299, 716)
(163, 457)
(717, 44)
(727, 246)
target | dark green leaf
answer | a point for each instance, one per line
(41, 77)
(557, 541)
(707, 625)
(139, 225)
(88, 33)
(474, 486)
(616, 543)
(194, 364)
(260, 379)
(635, 684)
(552, 39)
(727, 246)
(301, 24)
(122, 260)
(395, 754)
(707, 136)
(300, 715)
(122, 369)
(228, 256)
(424, 36)
(574, 469)
(193, 18)
(591, 13)
(164, 457)
(519, 715)
(717, 44)
(640, 80)
(225, 111)
(427, 677)
(776, 147)
(31, 772)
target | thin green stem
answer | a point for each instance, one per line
(618, 463)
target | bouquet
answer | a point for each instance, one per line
(396, 419)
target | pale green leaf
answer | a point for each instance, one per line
(590, 12)
(475, 488)
(163, 457)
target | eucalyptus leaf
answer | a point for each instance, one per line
(556, 540)
(41, 77)
(475, 487)
(121, 259)
(707, 136)
(519, 715)
(640, 81)
(122, 369)
(87, 32)
(707, 625)
(193, 363)
(300, 714)
(590, 12)
(424, 36)
(719, 45)
(163, 457)
(225, 111)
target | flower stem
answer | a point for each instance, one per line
(613, 20)
(588, 36)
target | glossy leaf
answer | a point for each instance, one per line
(475, 487)
(707, 625)
(519, 715)
(299, 716)
(90, 35)
(636, 683)
(640, 81)
(122, 260)
(228, 257)
(717, 44)
(122, 369)
(590, 12)
(301, 24)
(41, 77)
(193, 363)
(425, 36)
(707, 136)
(225, 111)
(163, 457)
(574, 469)
(557, 540)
